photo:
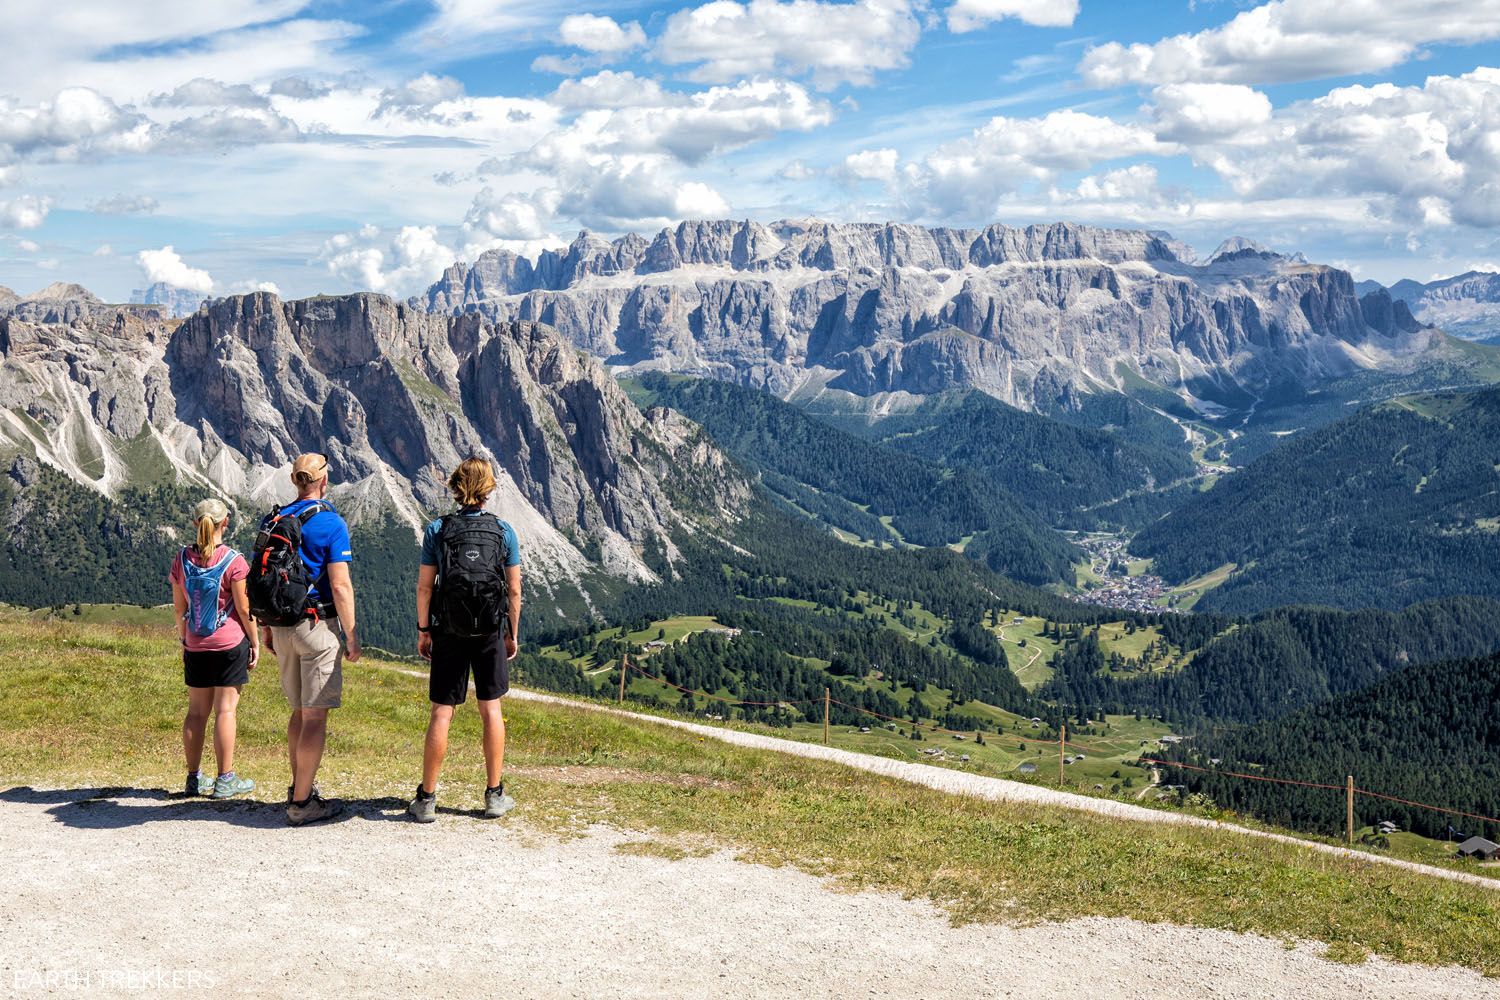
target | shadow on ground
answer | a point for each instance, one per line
(115, 808)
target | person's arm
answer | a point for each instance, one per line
(513, 617)
(180, 602)
(247, 621)
(426, 579)
(343, 603)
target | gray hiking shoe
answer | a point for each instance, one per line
(227, 786)
(316, 793)
(423, 807)
(497, 803)
(198, 784)
(314, 810)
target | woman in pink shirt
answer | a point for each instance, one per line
(220, 646)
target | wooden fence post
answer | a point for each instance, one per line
(825, 716)
(1062, 748)
(1349, 807)
(624, 664)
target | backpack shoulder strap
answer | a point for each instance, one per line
(311, 511)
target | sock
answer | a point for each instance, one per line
(500, 788)
(424, 795)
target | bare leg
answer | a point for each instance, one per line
(200, 703)
(314, 730)
(494, 741)
(293, 734)
(436, 747)
(226, 701)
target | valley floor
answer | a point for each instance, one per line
(123, 892)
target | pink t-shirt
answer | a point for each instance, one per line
(231, 633)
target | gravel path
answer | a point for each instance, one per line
(127, 893)
(997, 789)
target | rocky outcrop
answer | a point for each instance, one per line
(172, 300)
(395, 397)
(1018, 312)
(1466, 305)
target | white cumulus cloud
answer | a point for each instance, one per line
(600, 35)
(1197, 111)
(970, 15)
(1289, 40)
(26, 212)
(165, 265)
(833, 42)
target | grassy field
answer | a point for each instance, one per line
(1032, 663)
(86, 705)
(1188, 593)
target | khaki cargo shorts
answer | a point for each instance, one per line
(311, 658)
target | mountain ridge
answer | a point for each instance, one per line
(1027, 314)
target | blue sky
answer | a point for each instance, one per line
(332, 146)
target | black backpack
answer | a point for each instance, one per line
(279, 580)
(470, 599)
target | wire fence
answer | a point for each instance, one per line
(1063, 744)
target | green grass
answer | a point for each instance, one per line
(1189, 592)
(144, 459)
(85, 705)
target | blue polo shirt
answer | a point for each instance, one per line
(430, 548)
(325, 540)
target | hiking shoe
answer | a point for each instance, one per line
(227, 786)
(497, 803)
(198, 784)
(314, 810)
(423, 807)
(315, 793)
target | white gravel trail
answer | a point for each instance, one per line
(997, 789)
(128, 893)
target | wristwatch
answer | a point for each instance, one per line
(424, 628)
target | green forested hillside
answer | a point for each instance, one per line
(1395, 504)
(1427, 733)
(853, 484)
(1281, 661)
(1118, 448)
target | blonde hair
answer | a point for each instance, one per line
(472, 482)
(208, 515)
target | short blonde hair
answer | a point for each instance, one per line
(472, 482)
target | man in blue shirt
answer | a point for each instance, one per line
(309, 653)
(468, 621)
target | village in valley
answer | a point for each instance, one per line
(1113, 585)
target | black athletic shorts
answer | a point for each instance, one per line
(209, 668)
(454, 657)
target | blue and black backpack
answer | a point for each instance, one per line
(203, 585)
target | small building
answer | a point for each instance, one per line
(1478, 847)
(959, 736)
(864, 729)
(1027, 767)
(1387, 827)
(964, 758)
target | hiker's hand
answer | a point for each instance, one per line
(511, 648)
(424, 645)
(351, 646)
(254, 656)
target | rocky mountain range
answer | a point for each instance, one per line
(1030, 315)
(175, 301)
(115, 395)
(1466, 305)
